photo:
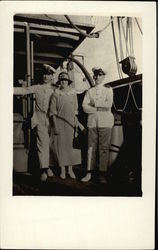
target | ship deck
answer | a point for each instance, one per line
(27, 184)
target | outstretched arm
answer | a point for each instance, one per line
(25, 90)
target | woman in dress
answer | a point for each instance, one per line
(63, 111)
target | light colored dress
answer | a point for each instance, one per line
(64, 106)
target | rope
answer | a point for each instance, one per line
(127, 29)
(92, 35)
(122, 110)
(129, 90)
(139, 26)
(50, 17)
(132, 49)
(116, 53)
(124, 36)
(120, 39)
(131, 37)
(135, 100)
(53, 20)
(112, 19)
(115, 107)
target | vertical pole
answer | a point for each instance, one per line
(24, 101)
(32, 65)
(32, 76)
(28, 54)
(28, 76)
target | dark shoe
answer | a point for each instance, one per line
(131, 177)
(103, 179)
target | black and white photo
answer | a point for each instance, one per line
(78, 124)
(77, 78)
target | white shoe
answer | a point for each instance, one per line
(86, 178)
(63, 176)
(63, 173)
(71, 173)
(49, 172)
(43, 177)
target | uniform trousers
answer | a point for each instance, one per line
(98, 141)
(43, 139)
(43, 146)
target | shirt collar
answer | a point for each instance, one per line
(100, 85)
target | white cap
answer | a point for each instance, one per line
(49, 68)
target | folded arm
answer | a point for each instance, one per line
(88, 105)
(106, 104)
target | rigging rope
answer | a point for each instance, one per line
(124, 36)
(127, 25)
(131, 37)
(134, 100)
(91, 35)
(139, 26)
(120, 39)
(53, 20)
(116, 53)
(106, 25)
(132, 49)
(122, 110)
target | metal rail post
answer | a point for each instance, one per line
(28, 76)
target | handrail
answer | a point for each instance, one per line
(49, 33)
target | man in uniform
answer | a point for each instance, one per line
(40, 118)
(97, 104)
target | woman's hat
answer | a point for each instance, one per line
(63, 76)
(97, 71)
(47, 69)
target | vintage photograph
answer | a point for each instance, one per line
(77, 105)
